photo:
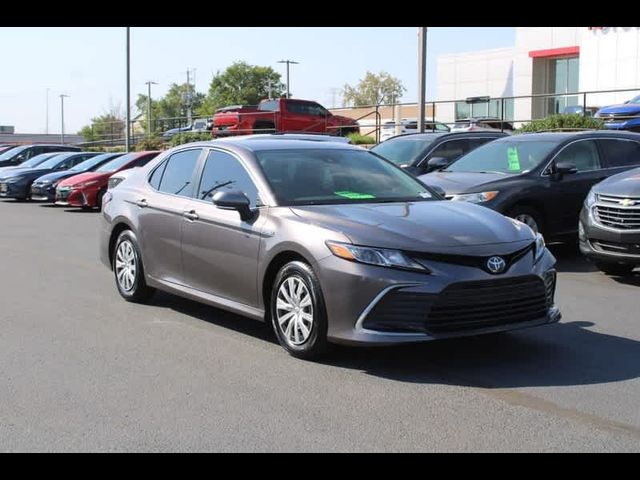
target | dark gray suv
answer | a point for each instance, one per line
(327, 241)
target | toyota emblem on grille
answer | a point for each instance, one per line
(496, 264)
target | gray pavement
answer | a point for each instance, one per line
(82, 370)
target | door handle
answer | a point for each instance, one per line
(142, 203)
(190, 215)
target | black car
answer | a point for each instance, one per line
(44, 187)
(609, 228)
(31, 163)
(420, 153)
(17, 183)
(15, 156)
(540, 179)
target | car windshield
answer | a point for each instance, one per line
(508, 157)
(37, 160)
(334, 176)
(635, 100)
(9, 154)
(405, 150)
(92, 162)
(53, 162)
(117, 163)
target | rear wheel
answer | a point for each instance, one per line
(298, 314)
(612, 268)
(128, 269)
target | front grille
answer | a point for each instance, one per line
(481, 304)
(617, 116)
(616, 247)
(618, 216)
(465, 306)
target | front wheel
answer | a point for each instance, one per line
(298, 314)
(617, 269)
(528, 216)
(128, 269)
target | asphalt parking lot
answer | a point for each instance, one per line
(82, 370)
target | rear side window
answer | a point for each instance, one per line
(451, 150)
(156, 176)
(271, 106)
(620, 153)
(582, 154)
(178, 173)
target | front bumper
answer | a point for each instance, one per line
(376, 305)
(607, 244)
(622, 124)
(13, 190)
(76, 197)
(43, 193)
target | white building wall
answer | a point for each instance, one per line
(459, 76)
(609, 60)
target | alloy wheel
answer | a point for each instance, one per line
(126, 267)
(294, 311)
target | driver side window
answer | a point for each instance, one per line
(223, 171)
(582, 154)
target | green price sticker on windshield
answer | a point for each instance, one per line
(354, 195)
(513, 161)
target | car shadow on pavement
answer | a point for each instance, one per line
(570, 259)
(562, 354)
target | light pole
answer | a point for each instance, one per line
(46, 127)
(127, 135)
(288, 62)
(149, 83)
(422, 75)
(62, 96)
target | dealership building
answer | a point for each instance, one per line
(544, 60)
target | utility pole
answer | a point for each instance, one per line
(269, 89)
(62, 96)
(46, 125)
(288, 62)
(422, 75)
(128, 121)
(149, 83)
(188, 97)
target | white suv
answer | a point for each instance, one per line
(408, 125)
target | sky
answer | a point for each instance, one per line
(89, 64)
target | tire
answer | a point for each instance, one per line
(297, 286)
(617, 269)
(529, 216)
(99, 197)
(133, 288)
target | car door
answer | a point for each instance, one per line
(566, 193)
(161, 204)
(219, 249)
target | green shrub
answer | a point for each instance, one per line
(359, 139)
(188, 137)
(149, 143)
(563, 122)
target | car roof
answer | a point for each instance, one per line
(436, 134)
(256, 144)
(565, 136)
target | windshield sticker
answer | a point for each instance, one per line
(354, 195)
(513, 160)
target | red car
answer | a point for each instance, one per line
(87, 189)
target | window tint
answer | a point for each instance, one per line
(451, 150)
(222, 171)
(620, 153)
(179, 172)
(582, 154)
(305, 108)
(156, 176)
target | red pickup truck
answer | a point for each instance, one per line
(280, 115)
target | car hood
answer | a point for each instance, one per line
(56, 176)
(433, 226)
(624, 184)
(460, 182)
(26, 172)
(85, 177)
(626, 108)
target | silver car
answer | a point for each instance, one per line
(327, 242)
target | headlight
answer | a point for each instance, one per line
(374, 256)
(476, 197)
(539, 248)
(85, 184)
(14, 179)
(590, 200)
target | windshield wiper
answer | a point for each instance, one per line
(491, 171)
(215, 187)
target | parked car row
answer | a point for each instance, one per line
(70, 178)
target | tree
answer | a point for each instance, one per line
(172, 105)
(108, 126)
(241, 84)
(373, 90)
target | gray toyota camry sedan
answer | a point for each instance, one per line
(326, 241)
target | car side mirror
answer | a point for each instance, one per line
(565, 168)
(234, 200)
(437, 163)
(438, 189)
